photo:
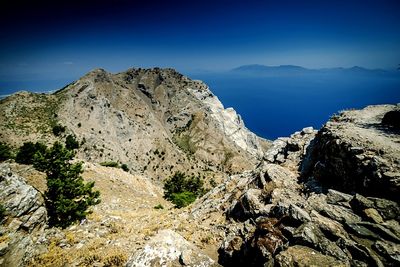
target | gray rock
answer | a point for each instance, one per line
(168, 248)
(304, 256)
(335, 197)
(308, 234)
(298, 214)
(390, 251)
(361, 231)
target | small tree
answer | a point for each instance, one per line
(5, 151)
(58, 129)
(27, 151)
(182, 190)
(68, 197)
(71, 142)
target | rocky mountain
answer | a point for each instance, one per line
(316, 198)
(156, 121)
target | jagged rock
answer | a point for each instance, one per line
(392, 119)
(290, 150)
(361, 231)
(387, 209)
(390, 251)
(308, 234)
(353, 153)
(304, 256)
(168, 248)
(339, 198)
(372, 215)
(298, 214)
(26, 217)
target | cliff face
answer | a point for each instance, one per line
(292, 211)
(156, 121)
(356, 152)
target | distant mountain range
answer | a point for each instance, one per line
(298, 70)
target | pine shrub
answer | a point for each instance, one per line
(67, 197)
(27, 152)
(183, 190)
(5, 152)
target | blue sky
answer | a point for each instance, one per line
(61, 40)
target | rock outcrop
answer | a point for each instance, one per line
(282, 215)
(25, 218)
(168, 248)
(357, 151)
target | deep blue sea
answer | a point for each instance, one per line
(274, 106)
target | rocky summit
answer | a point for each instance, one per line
(327, 197)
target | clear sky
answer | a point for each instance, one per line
(58, 40)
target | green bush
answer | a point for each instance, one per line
(125, 167)
(183, 199)
(109, 164)
(58, 129)
(67, 197)
(27, 152)
(183, 190)
(159, 207)
(5, 152)
(71, 142)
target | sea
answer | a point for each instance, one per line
(277, 106)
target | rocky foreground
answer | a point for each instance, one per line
(317, 198)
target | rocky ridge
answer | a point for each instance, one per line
(156, 121)
(291, 209)
(282, 216)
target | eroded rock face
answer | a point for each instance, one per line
(25, 218)
(355, 152)
(283, 218)
(168, 248)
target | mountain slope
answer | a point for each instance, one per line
(156, 121)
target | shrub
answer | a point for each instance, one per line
(182, 190)
(159, 207)
(58, 129)
(28, 150)
(71, 142)
(67, 197)
(2, 212)
(125, 167)
(183, 199)
(5, 152)
(109, 164)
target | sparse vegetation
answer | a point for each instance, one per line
(5, 152)
(27, 152)
(71, 142)
(159, 207)
(110, 164)
(125, 167)
(58, 129)
(68, 197)
(183, 190)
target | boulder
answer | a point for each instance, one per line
(26, 216)
(168, 248)
(304, 256)
(391, 251)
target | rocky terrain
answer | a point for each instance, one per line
(156, 121)
(316, 198)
